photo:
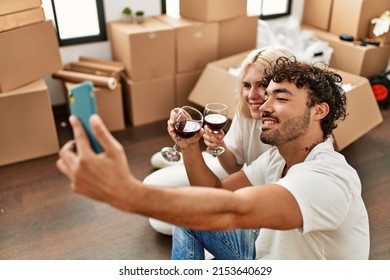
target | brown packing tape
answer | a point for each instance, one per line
(78, 77)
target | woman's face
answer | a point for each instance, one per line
(252, 92)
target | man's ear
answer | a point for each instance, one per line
(321, 111)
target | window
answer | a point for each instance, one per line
(274, 8)
(76, 21)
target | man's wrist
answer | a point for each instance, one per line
(190, 147)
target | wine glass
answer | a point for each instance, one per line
(188, 121)
(215, 116)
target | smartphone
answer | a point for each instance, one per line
(82, 104)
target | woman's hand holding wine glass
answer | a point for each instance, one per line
(187, 121)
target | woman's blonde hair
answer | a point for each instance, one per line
(261, 59)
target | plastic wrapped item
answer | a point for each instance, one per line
(288, 33)
(382, 24)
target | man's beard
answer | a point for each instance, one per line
(287, 131)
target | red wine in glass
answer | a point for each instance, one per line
(215, 116)
(187, 129)
(215, 121)
(187, 122)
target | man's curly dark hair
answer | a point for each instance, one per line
(322, 85)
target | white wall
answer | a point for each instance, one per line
(113, 9)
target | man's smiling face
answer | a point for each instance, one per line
(285, 114)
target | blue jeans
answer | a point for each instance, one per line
(236, 244)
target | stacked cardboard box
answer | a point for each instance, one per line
(328, 19)
(237, 35)
(29, 51)
(184, 83)
(351, 57)
(353, 16)
(317, 13)
(218, 79)
(105, 75)
(149, 100)
(27, 124)
(11, 6)
(173, 51)
(237, 29)
(147, 51)
(21, 18)
(343, 16)
(196, 44)
(212, 10)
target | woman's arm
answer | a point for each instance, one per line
(227, 159)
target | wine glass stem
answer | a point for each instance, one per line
(215, 132)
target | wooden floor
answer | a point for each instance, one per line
(41, 218)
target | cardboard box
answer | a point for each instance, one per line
(237, 35)
(359, 99)
(148, 101)
(317, 13)
(27, 124)
(11, 6)
(110, 106)
(184, 83)
(196, 43)
(353, 16)
(212, 10)
(147, 50)
(350, 57)
(216, 84)
(22, 18)
(28, 53)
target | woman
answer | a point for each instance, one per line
(242, 141)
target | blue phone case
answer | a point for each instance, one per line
(82, 104)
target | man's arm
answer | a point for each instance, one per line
(106, 177)
(199, 174)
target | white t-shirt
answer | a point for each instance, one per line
(328, 192)
(243, 139)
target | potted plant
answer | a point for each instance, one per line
(139, 16)
(127, 15)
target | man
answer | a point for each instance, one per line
(307, 200)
